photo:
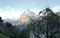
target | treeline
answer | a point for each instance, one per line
(11, 31)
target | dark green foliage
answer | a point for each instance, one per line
(1, 22)
(40, 12)
(10, 31)
(24, 33)
(3, 36)
(8, 25)
(49, 26)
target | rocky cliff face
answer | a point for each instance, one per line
(26, 17)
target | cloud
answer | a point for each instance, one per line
(56, 8)
(10, 13)
(8, 7)
(13, 13)
(35, 10)
(5, 15)
(13, 9)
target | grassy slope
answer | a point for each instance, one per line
(3, 36)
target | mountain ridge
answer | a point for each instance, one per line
(26, 17)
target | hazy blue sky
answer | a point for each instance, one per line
(13, 8)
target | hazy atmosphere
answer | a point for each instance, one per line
(13, 8)
(29, 18)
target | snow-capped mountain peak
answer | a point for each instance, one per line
(29, 13)
(26, 17)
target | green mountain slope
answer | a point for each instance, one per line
(3, 36)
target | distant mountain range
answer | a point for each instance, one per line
(26, 17)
